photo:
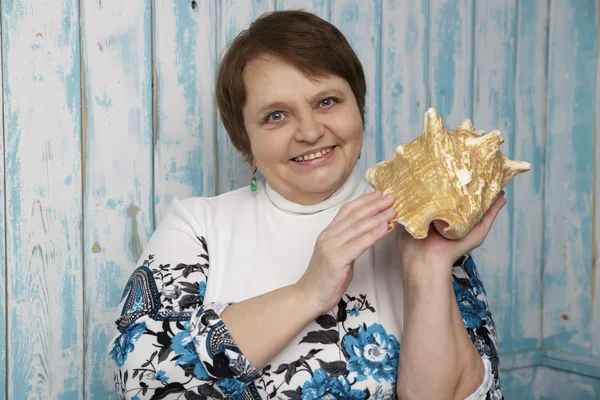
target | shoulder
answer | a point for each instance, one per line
(192, 214)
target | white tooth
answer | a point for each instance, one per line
(319, 154)
(311, 157)
(305, 158)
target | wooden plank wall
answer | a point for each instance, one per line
(109, 114)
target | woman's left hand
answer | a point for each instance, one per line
(437, 251)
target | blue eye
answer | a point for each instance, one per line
(275, 116)
(328, 102)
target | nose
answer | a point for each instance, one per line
(309, 129)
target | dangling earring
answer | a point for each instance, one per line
(253, 180)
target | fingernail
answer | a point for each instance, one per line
(388, 196)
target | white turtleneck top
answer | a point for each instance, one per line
(211, 252)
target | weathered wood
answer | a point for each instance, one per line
(40, 44)
(233, 172)
(318, 7)
(595, 312)
(3, 277)
(450, 70)
(569, 176)
(185, 115)
(550, 383)
(360, 22)
(117, 79)
(493, 108)
(404, 74)
(523, 330)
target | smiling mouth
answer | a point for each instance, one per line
(313, 156)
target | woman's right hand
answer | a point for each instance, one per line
(357, 226)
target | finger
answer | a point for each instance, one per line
(480, 231)
(357, 246)
(365, 226)
(368, 210)
(356, 204)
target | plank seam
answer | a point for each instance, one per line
(155, 135)
(543, 172)
(5, 224)
(83, 133)
(379, 151)
(427, 48)
(595, 190)
(473, 38)
(511, 219)
(217, 44)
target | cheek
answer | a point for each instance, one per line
(269, 146)
(348, 127)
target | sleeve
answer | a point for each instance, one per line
(477, 317)
(169, 343)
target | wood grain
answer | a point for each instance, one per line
(595, 311)
(360, 22)
(450, 70)
(3, 277)
(40, 45)
(234, 17)
(185, 67)
(404, 74)
(569, 176)
(524, 329)
(116, 59)
(318, 7)
(494, 96)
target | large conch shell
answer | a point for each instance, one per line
(453, 176)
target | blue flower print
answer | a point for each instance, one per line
(202, 290)
(124, 343)
(354, 312)
(135, 398)
(232, 388)
(471, 269)
(323, 386)
(372, 353)
(472, 309)
(183, 346)
(162, 376)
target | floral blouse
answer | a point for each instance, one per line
(172, 344)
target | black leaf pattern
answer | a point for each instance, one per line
(326, 321)
(342, 314)
(290, 372)
(335, 368)
(324, 337)
(281, 368)
(209, 391)
(189, 395)
(293, 394)
(171, 388)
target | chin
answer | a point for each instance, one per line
(326, 184)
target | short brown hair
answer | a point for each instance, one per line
(309, 43)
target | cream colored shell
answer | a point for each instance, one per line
(453, 176)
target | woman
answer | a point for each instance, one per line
(291, 288)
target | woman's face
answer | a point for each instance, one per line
(305, 134)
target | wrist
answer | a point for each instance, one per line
(426, 274)
(305, 302)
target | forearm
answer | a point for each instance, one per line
(264, 325)
(438, 360)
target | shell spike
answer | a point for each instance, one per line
(512, 168)
(466, 125)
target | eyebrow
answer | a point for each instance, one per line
(279, 104)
